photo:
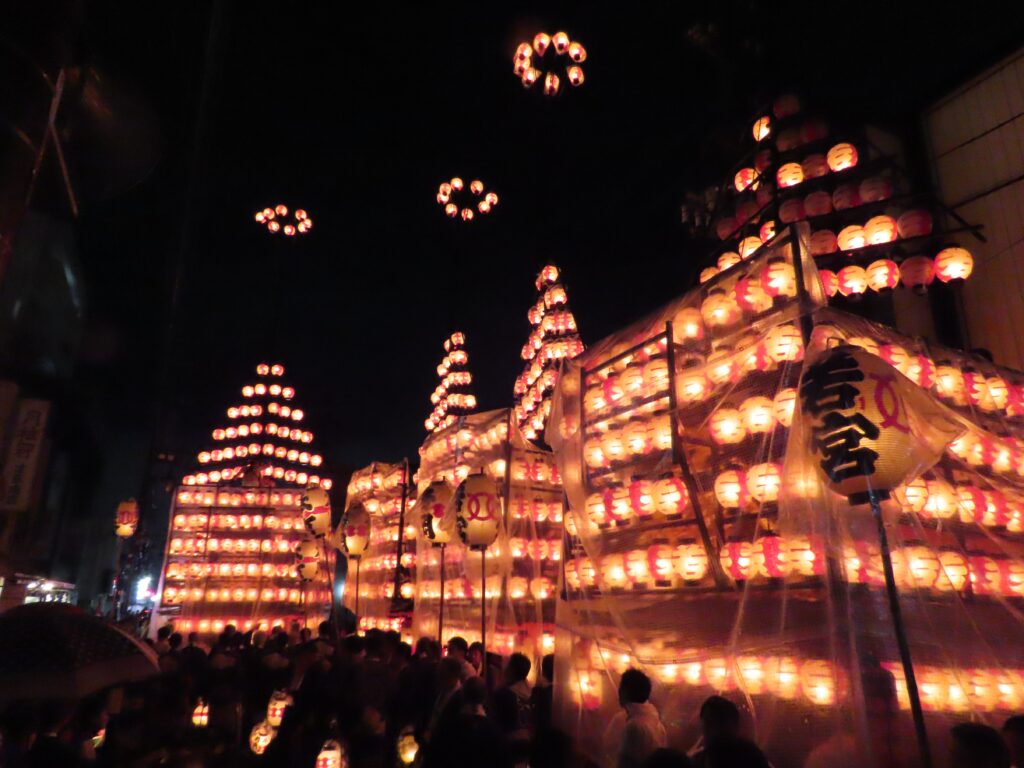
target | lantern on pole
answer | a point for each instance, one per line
(355, 528)
(307, 559)
(260, 737)
(316, 511)
(479, 513)
(332, 755)
(278, 703)
(869, 430)
(436, 527)
(201, 714)
(127, 519)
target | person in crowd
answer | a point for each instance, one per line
(171, 662)
(974, 745)
(1013, 735)
(162, 645)
(542, 694)
(468, 738)
(475, 656)
(719, 718)
(458, 649)
(448, 701)
(643, 732)
(512, 711)
(326, 640)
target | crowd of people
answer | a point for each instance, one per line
(389, 704)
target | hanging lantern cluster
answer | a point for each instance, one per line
(277, 220)
(541, 61)
(127, 518)
(554, 338)
(475, 198)
(452, 397)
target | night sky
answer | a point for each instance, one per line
(356, 112)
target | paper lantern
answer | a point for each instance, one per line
(883, 275)
(260, 737)
(853, 280)
(764, 482)
(767, 231)
(201, 714)
(707, 273)
(744, 178)
(875, 189)
(818, 203)
(817, 682)
(660, 432)
(784, 343)
(880, 229)
(941, 502)
(789, 175)
(721, 366)
(783, 406)
(823, 242)
(770, 557)
(641, 498)
(355, 527)
(725, 227)
(786, 105)
(846, 196)
(748, 246)
(690, 561)
(736, 558)
(478, 509)
(126, 518)
(726, 426)
(636, 437)
(688, 325)
(917, 273)
(433, 504)
(613, 572)
(763, 161)
(307, 559)
(954, 569)
(806, 555)
(728, 259)
(316, 511)
(949, 384)
(331, 755)
(595, 508)
(842, 156)
(750, 296)
(851, 237)
(617, 503)
(814, 166)
(788, 138)
(953, 264)
(758, 415)
(791, 210)
(670, 496)
(613, 446)
(922, 566)
(693, 386)
(719, 310)
(829, 282)
(762, 128)
(279, 702)
(914, 223)
(912, 495)
(858, 421)
(778, 278)
(731, 489)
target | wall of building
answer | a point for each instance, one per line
(976, 142)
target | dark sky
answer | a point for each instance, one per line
(357, 111)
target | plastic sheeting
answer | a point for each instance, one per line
(389, 560)
(703, 547)
(522, 566)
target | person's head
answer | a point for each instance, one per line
(374, 644)
(719, 717)
(325, 630)
(547, 667)
(259, 639)
(666, 758)
(175, 641)
(193, 638)
(517, 668)
(164, 632)
(457, 648)
(1013, 735)
(305, 634)
(977, 746)
(424, 648)
(230, 630)
(354, 647)
(474, 693)
(403, 654)
(733, 752)
(449, 673)
(475, 654)
(634, 687)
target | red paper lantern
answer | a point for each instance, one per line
(818, 203)
(737, 561)
(750, 296)
(762, 128)
(880, 229)
(707, 273)
(914, 223)
(771, 558)
(851, 238)
(846, 196)
(823, 242)
(789, 175)
(778, 278)
(791, 210)
(731, 489)
(744, 178)
(842, 156)
(478, 509)
(853, 280)
(814, 166)
(642, 498)
(829, 282)
(670, 496)
(953, 264)
(767, 231)
(728, 259)
(917, 273)
(883, 275)
(875, 189)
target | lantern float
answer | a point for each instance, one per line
(449, 193)
(277, 220)
(528, 63)
(316, 511)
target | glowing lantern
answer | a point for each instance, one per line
(126, 518)
(744, 178)
(922, 566)
(688, 324)
(762, 128)
(632, 382)
(846, 196)
(726, 426)
(478, 511)
(670, 496)
(725, 227)
(561, 42)
(595, 508)
(917, 273)
(355, 526)
(635, 435)
(829, 282)
(260, 737)
(875, 189)
(201, 714)
(859, 421)
(748, 246)
(693, 386)
(949, 384)
(770, 557)
(817, 682)
(941, 500)
(823, 242)
(613, 572)
(764, 482)
(806, 555)
(914, 223)
(541, 588)
(767, 231)
(641, 498)
(736, 558)
(789, 175)
(436, 499)
(279, 702)
(778, 278)
(783, 405)
(913, 495)
(758, 415)
(883, 275)
(690, 561)
(954, 569)
(880, 229)
(842, 156)
(316, 511)
(728, 259)
(853, 280)
(331, 755)
(593, 455)
(750, 296)
(613, 446)
(731, 489)
(791, 210)
(707, 273)
(551, 84)
(953, 264)
(814, 166)
(407, 746)
(784, 344)
(307, 559)
(851, 238)
(719, 310)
